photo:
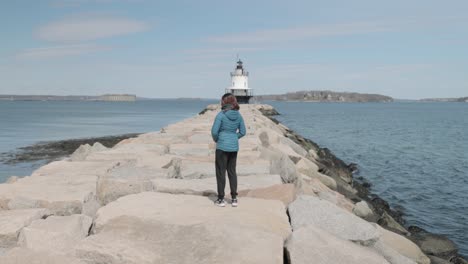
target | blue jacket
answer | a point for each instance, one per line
(225, 130)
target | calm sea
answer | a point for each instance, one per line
(23, 123)
(415, 154)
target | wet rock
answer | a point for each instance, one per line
(388, 222)
(435, 245)
(334, 166)
(54, 150)
(381, 206)
(436, 260)
(353, 167)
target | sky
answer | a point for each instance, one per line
(185, 48)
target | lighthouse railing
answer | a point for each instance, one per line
(240, 92)
(245, 73)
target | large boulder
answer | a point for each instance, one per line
(363, 210)
(208, 187)
(328, 181)
(307, 167)
(266, 215)
(164, 228)
(56, 233)
(390, 254)
(83, 151)
(123, 180)
(285, 168)
(298, 149)
(13, 221)
(313, 245)
(136, 240)
(63, 187)
(309, 210)
(337, 199)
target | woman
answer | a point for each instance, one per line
(227, 128)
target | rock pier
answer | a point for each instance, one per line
(149, 199)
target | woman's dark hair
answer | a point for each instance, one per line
(226, 95)
(229, 98)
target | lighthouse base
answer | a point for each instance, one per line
(243, 99)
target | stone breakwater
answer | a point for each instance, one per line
(149, 199)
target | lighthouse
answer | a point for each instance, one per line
(240, 84)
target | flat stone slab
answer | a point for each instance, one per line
(285, 193)
(190, 149)
(207, 186)
(57, 234)
(131, 240)
(64, 187)
(27, 256)
(13, 221)
(266, 215)
(313, 245)
(164, 228)
(309, 210)
(256, 167)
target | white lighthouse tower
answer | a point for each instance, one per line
(240, 84)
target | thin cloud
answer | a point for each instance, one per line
(79, 29)
(60, 51)
(76, 3)
(305, 32)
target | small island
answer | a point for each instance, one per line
(105, 97)
(456, 100)
(326, 96)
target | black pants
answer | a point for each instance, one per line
(226, 161)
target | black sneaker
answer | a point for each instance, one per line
(234, 202)
(220, 203)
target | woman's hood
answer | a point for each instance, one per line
(232, 115)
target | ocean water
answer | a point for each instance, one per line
(23, 123)
(414, 154)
